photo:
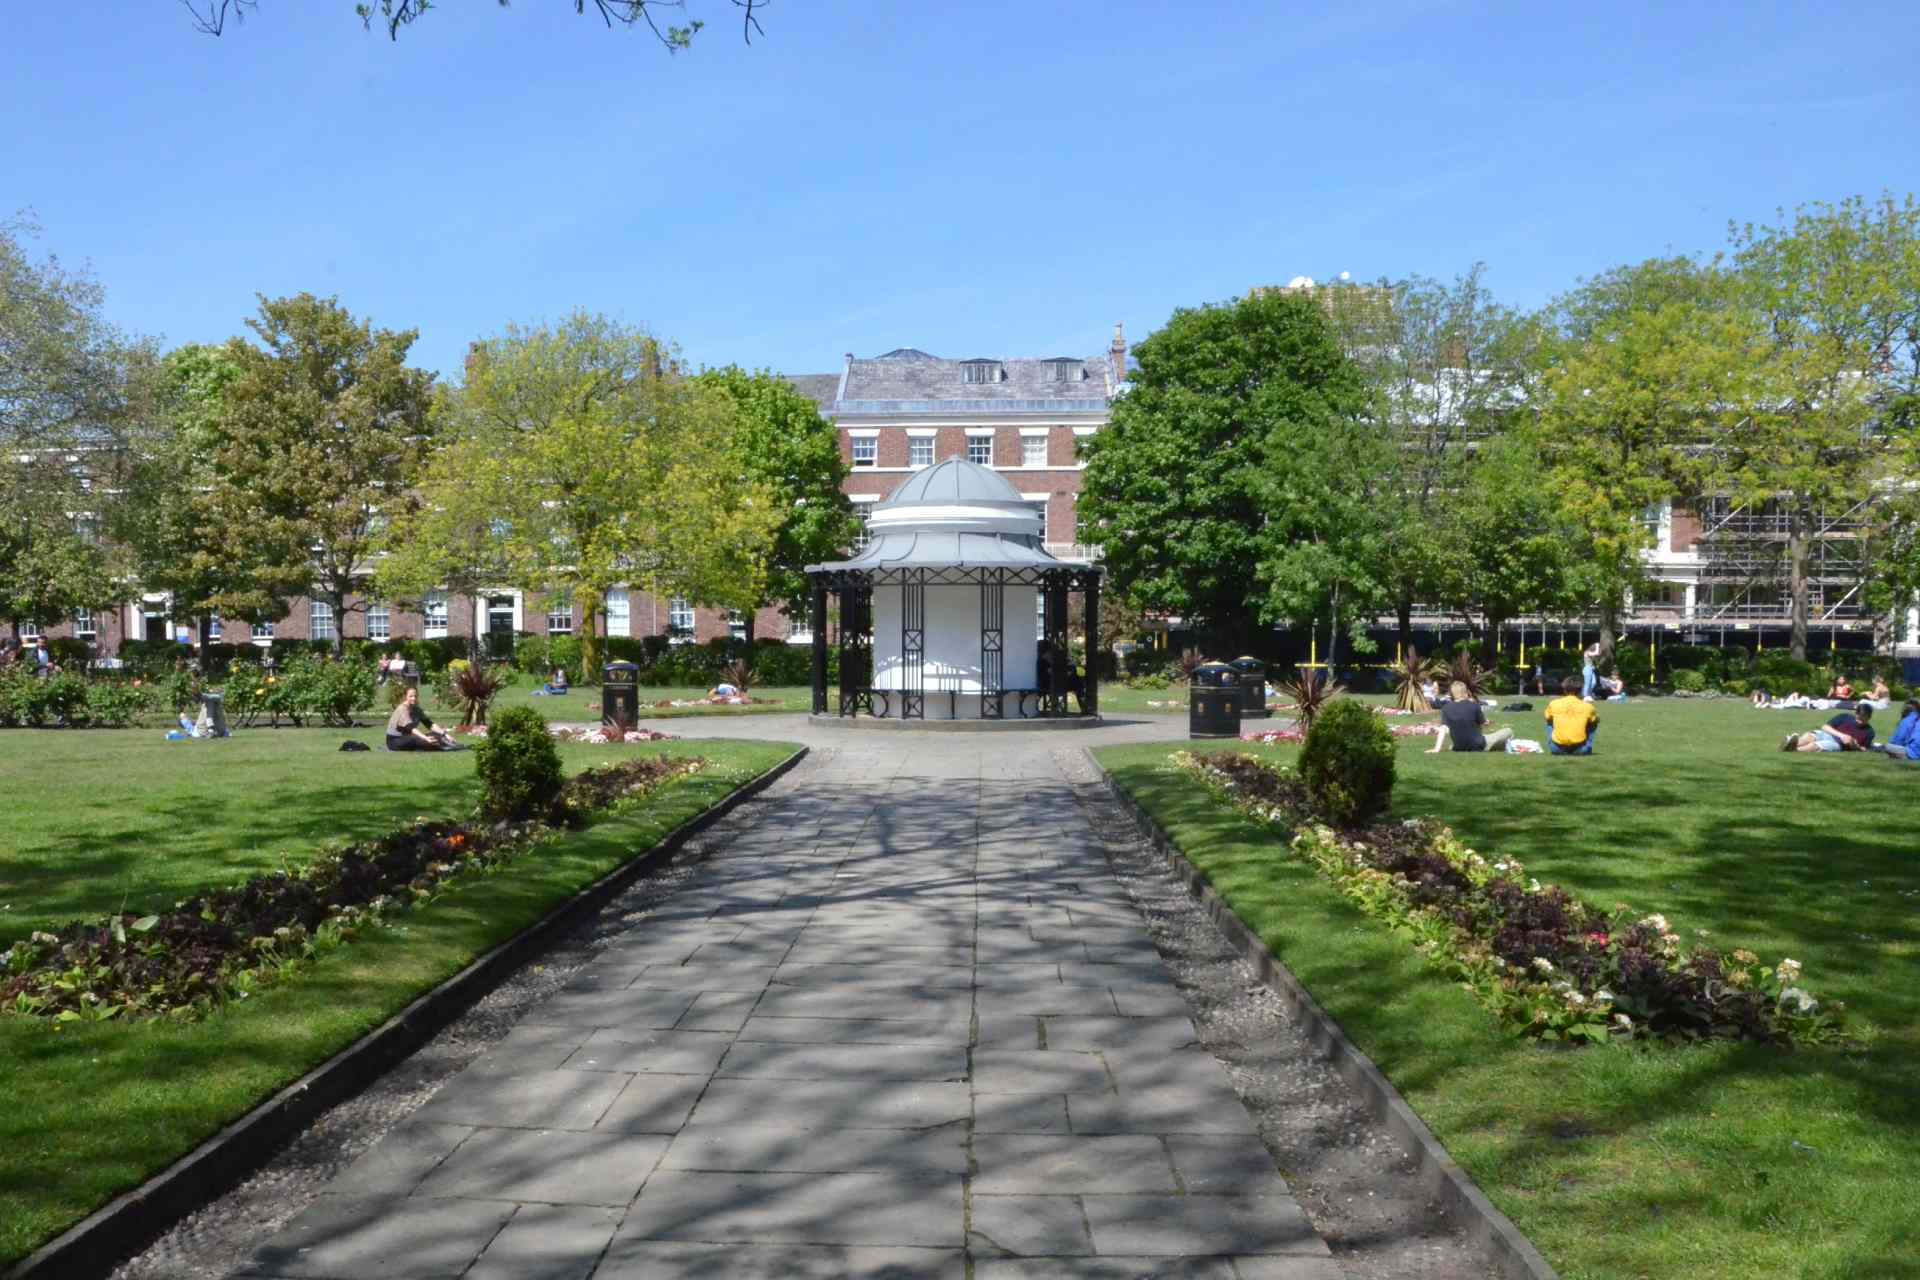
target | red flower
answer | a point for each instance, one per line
(1598, 937)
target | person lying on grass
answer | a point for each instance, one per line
(1462, 722)
(1573, 720)
(410, 728)
(1848, 731)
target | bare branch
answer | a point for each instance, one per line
(750, 25)
(214, 20)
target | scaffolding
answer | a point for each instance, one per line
(1744, 571)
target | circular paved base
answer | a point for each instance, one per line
(955, 726)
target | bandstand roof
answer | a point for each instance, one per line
(953, 515)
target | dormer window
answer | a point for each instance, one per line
(980, 371)
(1067, 370)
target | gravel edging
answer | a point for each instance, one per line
(1489, 1231)
(92, 1246)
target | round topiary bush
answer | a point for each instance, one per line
(518, 766)
(1347, 764)
(1687, 681)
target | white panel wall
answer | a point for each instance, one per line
(952, 652)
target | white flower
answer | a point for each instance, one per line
(1543, 964)
(1623, 1020)
(1575, 998)
(1788, 970)
(1657, 921)
(1603, 994)
(1805, 1002)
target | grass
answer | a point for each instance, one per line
(1715, 1161)
(582, 705)
(96, 1109)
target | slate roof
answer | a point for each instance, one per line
(944, 549)
(821, 388)
(914, 375)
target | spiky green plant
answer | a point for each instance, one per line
(1413, 672)
(1310, 691)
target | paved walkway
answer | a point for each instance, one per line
(905, 1025)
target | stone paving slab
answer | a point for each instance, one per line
(906, 1025)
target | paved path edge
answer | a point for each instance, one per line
(1507, 1249)
(97, 1243)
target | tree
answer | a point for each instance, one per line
(70, 388)
(318, 440)
(210, 16)
(590, 460)
(1445, 366)
(787, 447)
(1835, 296)
(170, 469)
(1513, 548)
(1175, 483)
(1644, 367)
(1325, 544)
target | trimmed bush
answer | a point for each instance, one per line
(1347, 763)
(518, 766)
(1688, 680)
(530, 654)
(1781, 673)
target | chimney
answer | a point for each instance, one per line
(1117, 356)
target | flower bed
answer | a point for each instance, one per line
(222, 945)
(607, 734)
(1551, 966)
(1296, 734)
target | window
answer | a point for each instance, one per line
(866, 451)
(1065, 371)
(434, 613)
(736, 624)
(263, 631)
(560, 616)
(619, 614)
(980, 450)
(920, 451)
(864, 512)
(84, 627)
(974, 371)
(320, 621)
(213, 628)
(29, 629)
(679, 616)
(379, 621)
(1033, 451)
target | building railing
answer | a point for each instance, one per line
(1083, 552)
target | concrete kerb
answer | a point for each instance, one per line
(95, 1244)
(1507, 1249)
(888, 724)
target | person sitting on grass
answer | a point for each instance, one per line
(1904, 742)
(558, 682)
(1848, 731)
(1573, 720)
(1462, 722)
(1880, 697)
(410, 728)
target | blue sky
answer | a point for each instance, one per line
(990, 178)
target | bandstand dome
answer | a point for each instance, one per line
(944, 612)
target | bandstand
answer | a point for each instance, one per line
(946, 613)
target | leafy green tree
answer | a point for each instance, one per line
(71, 386)
(589, 459)
(787, 447)
(319, 435)
(1445, 366)
(171, 465)
(1513, 550)
(1176, 484)
(1324, 547)
(1835, 298)
(1645, 366)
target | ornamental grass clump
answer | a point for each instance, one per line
(1347, 764)
(1551, 966)
(518, 766)
(1412, 673)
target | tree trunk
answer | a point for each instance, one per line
(1609, 630)
(587, 601)
(1799, 588)
(1403, 613)
(205, 622)
(750, 615)
(338, 599)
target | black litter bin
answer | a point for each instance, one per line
(620, 693)
(1252, 674)
(1213, 708)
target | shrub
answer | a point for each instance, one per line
(1688, 680)
(570, 652)
(1781, 673)
(531, 654)
(23, 697)
(1736, 685)
(71, 653)
(473, 688)
(518, 766)
(1148, 680)
(778, 663)
(114, 704)
(1347, 763)
(66, 700)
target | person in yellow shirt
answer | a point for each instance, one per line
(1574, 722)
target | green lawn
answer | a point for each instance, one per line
(96, 819)
(583, 704)
(1720, 1161)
